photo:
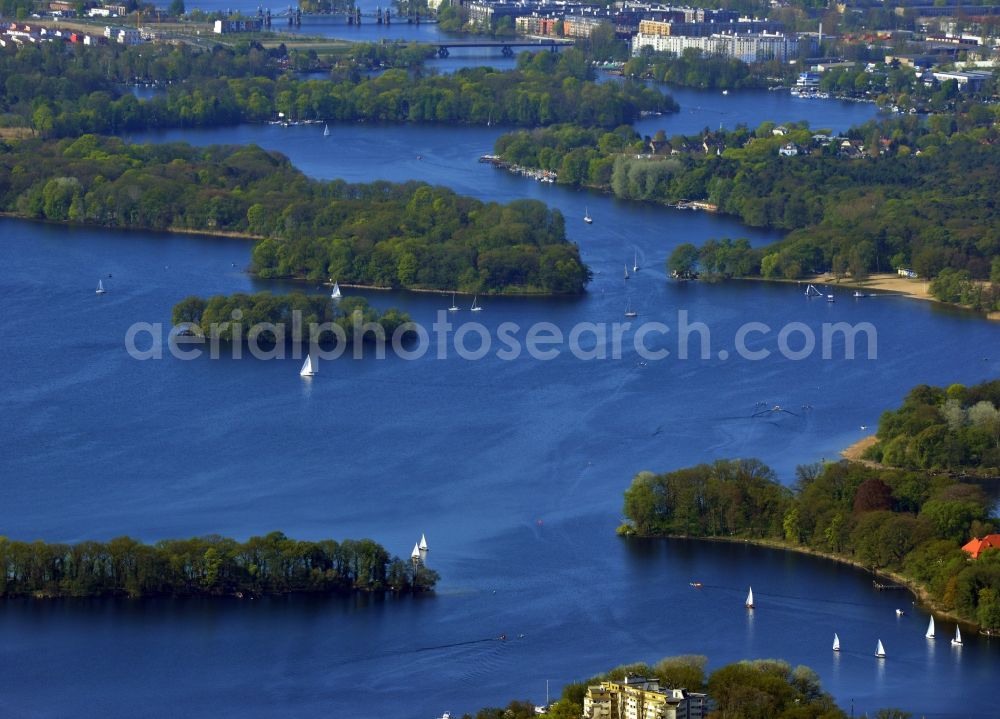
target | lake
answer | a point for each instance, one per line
(513, 468)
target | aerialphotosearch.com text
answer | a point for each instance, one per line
(445, 338)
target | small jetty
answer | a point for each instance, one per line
(498, 162)
(882, 586)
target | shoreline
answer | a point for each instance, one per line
(855, 452)
(917, 591)
(887, 284)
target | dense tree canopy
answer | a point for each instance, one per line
(280, 310)
(213, 565)
(64, 91)
(410, 235)
(957, 427)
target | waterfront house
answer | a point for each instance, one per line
(974, 547)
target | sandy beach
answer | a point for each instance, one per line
(856, 450)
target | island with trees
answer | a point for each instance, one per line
(234, 316)
(205, 566)
(909, 524)
(410, 235)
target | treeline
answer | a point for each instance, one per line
(759, 688)
(911, 522)
(953, 428)
(390, 235)
(213, 565)
(897, 193)
(63, 91)
(234, 316)
(693, 68)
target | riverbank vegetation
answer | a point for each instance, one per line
(229, 316)
(693, 68)
(900, 192)
(761, 688)
(943, 428)
(63, 91)
(213, 565)
(912, 523)
(407, 235)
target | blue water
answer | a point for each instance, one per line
(514, 470)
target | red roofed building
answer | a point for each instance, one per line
(975, 547)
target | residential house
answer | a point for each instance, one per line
(974, 547)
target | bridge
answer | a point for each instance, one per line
(506, 46)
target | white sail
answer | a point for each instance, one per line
(415, 554)
(749, 601)
(635, 262)
(836, 642)
(930, 629)
(626, 272)
(958, 636)
(423, 543)
(475, 306)
(586, 216)
(100, 287)
(307, 368)
(880, 650)
(335, 294)
(326, 131)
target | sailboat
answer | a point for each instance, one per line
(415, 554)
(307, 367)
(749, 602)
(423, 543)
(326, 130)
(335, 293)
(586, 216)
(811, 291)
(475, 307)
(957, 641)
(100, 288)
(626, 272)
(836, 642)
(629, 312)
(880, 650)
(930, 629)
(454, 307)
(635, 262)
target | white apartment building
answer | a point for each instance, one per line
(750, 48)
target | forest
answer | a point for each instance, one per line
(389, 235)
(899, 192)
(199, 315)
(212, 565)
(754, 689)
(913, 523)
(943, 428)
(64, 91)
